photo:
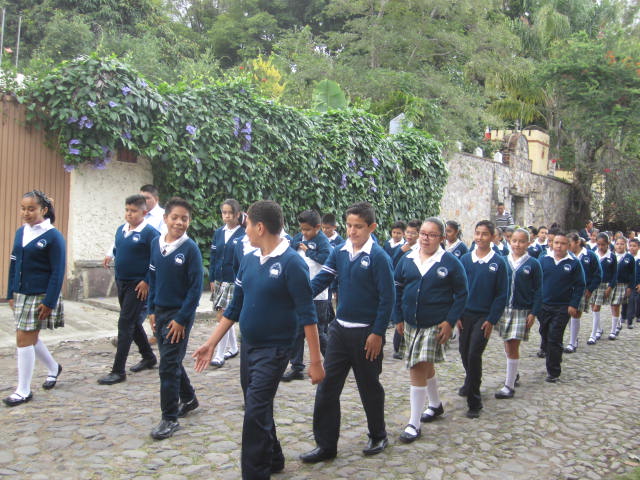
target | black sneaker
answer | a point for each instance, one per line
(185, 408)
(292, 375)
(164, 429)
(551, 379)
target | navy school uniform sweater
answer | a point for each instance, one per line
(222, 255)
(439, 295)
(609, 266)
(626, 269)
(389, 249)
(459, 250)
(636, 277)
(525, 286)
(504, 252)
(592, 270)
(176, 280)
(337, 241)
(272, 299)
(536, 250)
(38, 267)
(562, 284)
(133, 253)
(366, 292)
(318, 248)
(488, 286)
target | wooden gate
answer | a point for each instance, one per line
(26, 163)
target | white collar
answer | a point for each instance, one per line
(44, 225)
(425, 266)
(606, 255)
(276, 252)
(167, 247)
(452, 246)
(499, 246)
(334, 236)
(485, 259)
(620, 256)
(566, 257)
(366, 248)
(393, 243)
(515, 264)
(541, 244)
(227, 229)
(582, 253)
(127, 227)
(416, 246)
(155, 211)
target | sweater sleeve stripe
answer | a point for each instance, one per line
(329, 269)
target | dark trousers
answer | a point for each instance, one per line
(297, 348)
(631, 309)
(345, 350)
(553, 321)
(130, 326)
(260, 371)
(471, 346)
(175, 386)
(398, 340)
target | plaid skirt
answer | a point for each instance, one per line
(222, 295)
(597, 298)
(25, 313)
(421, 345)
(513, 324)
(617, 296)
(584, 304)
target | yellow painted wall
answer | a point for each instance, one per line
(538, 148)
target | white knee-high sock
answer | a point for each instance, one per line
(614, 324)
(596, 324)
(432, 391)
(43, 354)
(221, 348)
(574, 329)
(26, 362)
(232, 342)
(618, 322)
(417, 398)
(512, 372)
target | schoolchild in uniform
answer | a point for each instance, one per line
(603, 294)
(488, 289)
(540, 244)
(329, 226)
(36, 273)
(626, 278)
(314, 248)
(633, 306)
(498, 244)
(272, 296)
(507, 233)
(221, 274)
(397, 238)
(563, 285)
(593, 276)
(523, 305)
(431, 292)
(366, 297)
(155, 213)
(175, 289)
(592, 244)
(453, 239)
(132, 252)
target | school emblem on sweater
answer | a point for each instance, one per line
(311, 245)
(442, 272)
(567, 268)
(626, 260)
(136, 237)
(179, 260)
(457, 253)
(365, 262)
(41, 243)
(493, 267)
(526, 270)
(587, 260)
(275, 270)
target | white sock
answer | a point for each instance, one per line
(574, 329)
(417, 396)
(43, 354)
(221, 348)
(432, 391)
(26, 362)
(596, 324)
(232, 342)
(618, 322)
(512, 371)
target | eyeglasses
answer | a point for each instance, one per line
(430, 236)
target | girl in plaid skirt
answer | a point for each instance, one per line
(36, 274)
(603, 294)
(626, 276)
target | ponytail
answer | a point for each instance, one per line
(44, 202)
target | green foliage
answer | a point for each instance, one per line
(214, 141)
(328, 96)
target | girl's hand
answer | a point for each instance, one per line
(43, 311)
(400, 329)
(444, 332)
(176, 332)
(530, 319)
(12, 304)
(152, 322)
(203, 356)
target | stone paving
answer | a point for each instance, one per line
(584, 427)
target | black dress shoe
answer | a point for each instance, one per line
(408, 437)
(164, 429)
(397, 356)
(541, 353)
(505, 392)
(375, 446)
(217, 363)
(431, 413)
(230, 355)
(473, 413)
(15, 399)
(51, 380)
(293, 375)
(318, 454)
(144, 364)
(277, 465)
(462, 391)
(112, 378)
(551, 379)
(185, 408)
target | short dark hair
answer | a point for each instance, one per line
(553, 231)
(501, 204)
(415, 223)
(329, 219)
(488, 224)
(137, 200)
(44, 202)
(400, 225)
(456, 226)
(635, 240)
(152, 189)
(310, 217)
(561, 233)
(269, 213)
(604, 236)
(541, 227)
(363, 210)
(177, 202)
(533, 230)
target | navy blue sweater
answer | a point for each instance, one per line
(609, 270)
(488, 286)
(430, 300)
(337, 241)
(592, 270)
(366, 292)
(525, 287)
(504, 252)
(133, 253)
(222, 255)
(272, 299)
(176, 280)
(460, 250)
(637, 275)
(626, 269)
(562, 284)
(318, 248)
(38, 267)
(536, 251)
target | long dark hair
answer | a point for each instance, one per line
(44, 202)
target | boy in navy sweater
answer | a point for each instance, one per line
(329, 227)
(313, 246)
(488, 288)
(563, 284)
(633, 306)
(397, 238)
(366, 296)
(132, 251)
(175, 289)
(272, 296)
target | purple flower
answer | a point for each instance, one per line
(74, 151)
(126, 90)
(343, 181)
(112, 104)
(247, 128)
(142, 83)
(74, 141)
(375, 161)
(105, 150)
(242, 90)
(91, 104)
(196, 160)
(352, 163)
(85, 122)
(191, 130)
(374, 188)
(88, 124)
(126, 135)
(236, 126)
(69, 168)
(72, 120)
(360, 174)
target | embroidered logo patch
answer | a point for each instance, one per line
(526, 270)
(136, 237)
(626, 260)
(311, 245)
(179, 260)
(567, 268)
(493, 267)
(586, 260)
(275, 270)
(457, 253)
(41, 243)
(365, 262)
(442, 272)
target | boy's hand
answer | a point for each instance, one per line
(373, 346)
(43, 311)
(303, 247)
(573, 312)
(176, 332)
(213, 287)
(488, 328)
(459, 325)
(405, 247)
(400, 329)
(152, 322)
(316, 372)
(142, 290)
(530, 319)
(106, 262)
(203, 356)
(444, 332)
